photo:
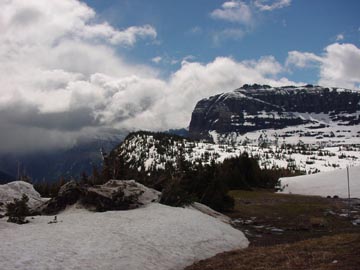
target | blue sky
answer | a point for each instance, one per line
(186, 27)
(72, 68)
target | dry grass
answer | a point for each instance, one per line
(330, 252)
(272, 205)
(301, 217)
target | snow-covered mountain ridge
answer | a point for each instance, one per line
(313, 114)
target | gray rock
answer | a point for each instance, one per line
(113, 195)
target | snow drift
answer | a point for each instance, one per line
(153, 237)
(15, 190)
(324, 184)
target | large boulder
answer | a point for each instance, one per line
(69, 194)
(113, 195)
(15, 190)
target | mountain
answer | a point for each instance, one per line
(5, 178)
(54, 164)
(183, 132)
(312, 112)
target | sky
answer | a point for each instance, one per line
(90, 68)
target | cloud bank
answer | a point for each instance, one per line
(62, 78)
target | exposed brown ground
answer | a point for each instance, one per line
(330, 252)
(290, 232)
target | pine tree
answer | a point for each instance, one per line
(18, 210)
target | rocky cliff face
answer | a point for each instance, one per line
(258, 107)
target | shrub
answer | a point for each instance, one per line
(175, 193)
(18, 210)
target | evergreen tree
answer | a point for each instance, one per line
(18, 210)
(84, 178)
(95, 177)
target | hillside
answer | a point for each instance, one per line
(150, 152)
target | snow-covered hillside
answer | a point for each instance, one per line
(152, 151)
(324, 184)
(154, 237)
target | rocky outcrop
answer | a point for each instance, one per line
(257, 107)
(113, 195)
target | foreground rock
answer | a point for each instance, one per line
(113, 195)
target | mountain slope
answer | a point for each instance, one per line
(5, 178)
(54, 164)
(311, 112)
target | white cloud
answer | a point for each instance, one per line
(61, 77)
(227, 34)
(194, 81)
(49, 53)
(156, 59)
(21, 22)
(174, 62)
(269, 5)
(189, 58)
(233, 11)
(130, 35)
(340, 37)
(246, 14)
(302, 60)
(196, 30)
(339, 64)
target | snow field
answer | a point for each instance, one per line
(154, 237)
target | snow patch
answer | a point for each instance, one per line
(324, 184)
